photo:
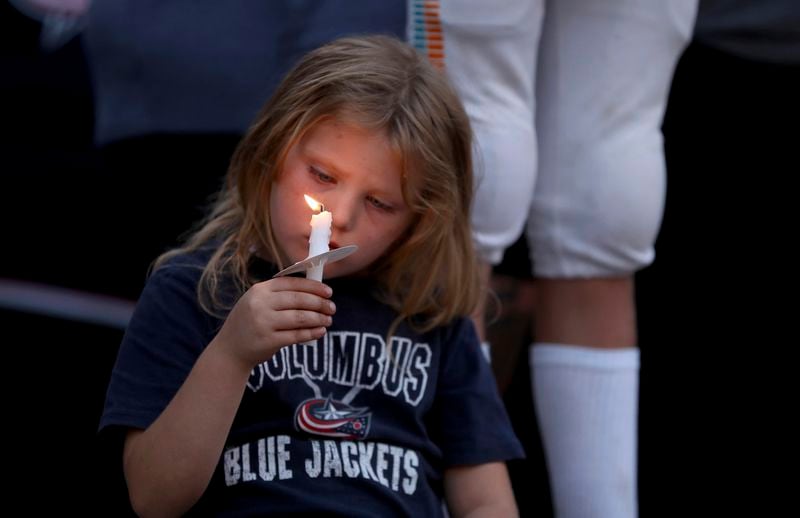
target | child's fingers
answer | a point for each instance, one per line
(285, 300)
(296, 336)
(300, 319)
(300, 284)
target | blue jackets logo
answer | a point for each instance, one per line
(332, 418)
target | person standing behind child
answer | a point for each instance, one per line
(223, 407)
(566, 99)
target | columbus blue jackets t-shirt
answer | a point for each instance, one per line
(350, 426)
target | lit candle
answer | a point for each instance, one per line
(319, 241)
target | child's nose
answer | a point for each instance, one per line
(346, 210)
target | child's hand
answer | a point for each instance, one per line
(273, 314)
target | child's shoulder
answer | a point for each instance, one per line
(452, 335)
(458, 330)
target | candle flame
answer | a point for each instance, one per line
(314, 204)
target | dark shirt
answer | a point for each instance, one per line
(351, 426)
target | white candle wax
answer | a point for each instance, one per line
(319, 241)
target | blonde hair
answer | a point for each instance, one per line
(378, 82)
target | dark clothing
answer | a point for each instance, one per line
(206, 67)
(350, 426)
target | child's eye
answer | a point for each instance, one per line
(378, 204)
(321, 176)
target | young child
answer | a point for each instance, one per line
(226, 409)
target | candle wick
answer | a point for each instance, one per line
(321, 209)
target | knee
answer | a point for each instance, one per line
(600, 218)
(505, 164)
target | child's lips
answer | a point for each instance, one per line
(333, 245)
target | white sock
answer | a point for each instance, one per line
(587, 404)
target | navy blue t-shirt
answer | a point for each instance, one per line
(351, 426)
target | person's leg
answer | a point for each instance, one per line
(584, 370)
(479, 315)
(596, 312)
(489, 53)
(604, 74)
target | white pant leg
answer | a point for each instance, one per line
(490, 55)
(605, 67)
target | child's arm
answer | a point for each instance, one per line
(483, 490)
(169, 465)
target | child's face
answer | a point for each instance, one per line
(356, 174)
